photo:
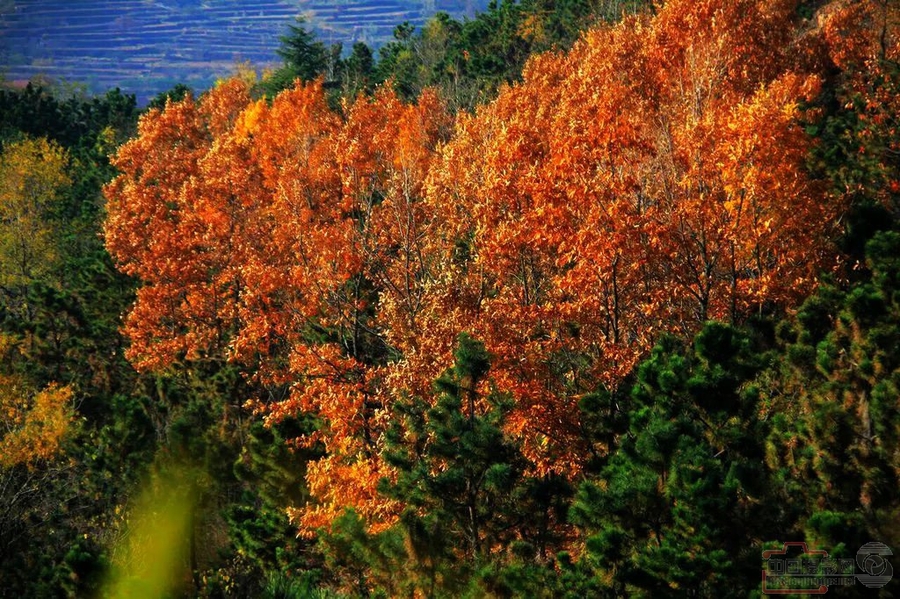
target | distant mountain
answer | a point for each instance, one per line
(147, 46)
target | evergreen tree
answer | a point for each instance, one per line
(357, 71)
(461, 466)
(462, 480)
(305, 58)
(836, 418)
(679, 507)
(178, 92)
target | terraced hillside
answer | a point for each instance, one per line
(146, 46)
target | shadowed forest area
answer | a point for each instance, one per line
(571, 299)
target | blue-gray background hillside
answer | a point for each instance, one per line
(147, 46)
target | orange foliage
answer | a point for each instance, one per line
(266, 234)
(160, 230)
(864, 37)
(652, 178)
(34, 425)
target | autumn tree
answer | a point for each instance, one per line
(320, 258)
(383, 151)
(858, 133)
(35, 423)
(651, 179)
(152, 214)
(33, 175)
(35, 426)
(295, 221)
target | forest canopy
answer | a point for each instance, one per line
(611, 325)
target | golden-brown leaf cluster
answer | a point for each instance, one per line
(34, 424)
(32, 176)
